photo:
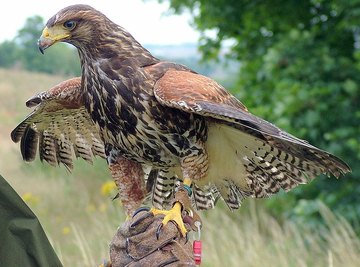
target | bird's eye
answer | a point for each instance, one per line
(70, 24)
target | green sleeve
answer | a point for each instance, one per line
(22, 239)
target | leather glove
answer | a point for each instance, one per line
(138, 242)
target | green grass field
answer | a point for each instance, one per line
(80, 218)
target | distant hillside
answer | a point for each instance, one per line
(223, 70)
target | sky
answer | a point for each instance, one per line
(146, 20)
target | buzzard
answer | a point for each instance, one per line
(155, 114)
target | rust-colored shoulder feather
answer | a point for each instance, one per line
(186, 89)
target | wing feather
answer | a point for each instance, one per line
(28, 143)
(59, 127)
(248, 155)
(179, 89)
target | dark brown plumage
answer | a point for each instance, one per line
(184, 125)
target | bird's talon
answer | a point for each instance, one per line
(138, 221)
(186, 238)
(173, 215)
(127, 245)
(141, 209)
(158, 230)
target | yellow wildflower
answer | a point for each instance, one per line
(108, 188)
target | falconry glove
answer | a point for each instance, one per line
(138, 243)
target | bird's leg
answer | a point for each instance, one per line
(181, 203)
(128, 177)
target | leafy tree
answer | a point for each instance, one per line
(9, 53)
(299, 68)
(61, 59)
(27, 42)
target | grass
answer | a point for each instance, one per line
(257, 239)
(80, 218)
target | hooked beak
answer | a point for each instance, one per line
(50, 37)
(45, 40)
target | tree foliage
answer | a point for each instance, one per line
(299, 68)
(23, 52)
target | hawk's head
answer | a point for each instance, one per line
(76, 24)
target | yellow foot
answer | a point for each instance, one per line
(172, 215)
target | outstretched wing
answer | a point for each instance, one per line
(59, 127)
(252, 156)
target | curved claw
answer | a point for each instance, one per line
(173, 215)
(127, 246)
(116, 196)
(139, 220)
(141, 209)
(158, 231)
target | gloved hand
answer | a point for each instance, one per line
(139, 243)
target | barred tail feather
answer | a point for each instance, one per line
(206, 198)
